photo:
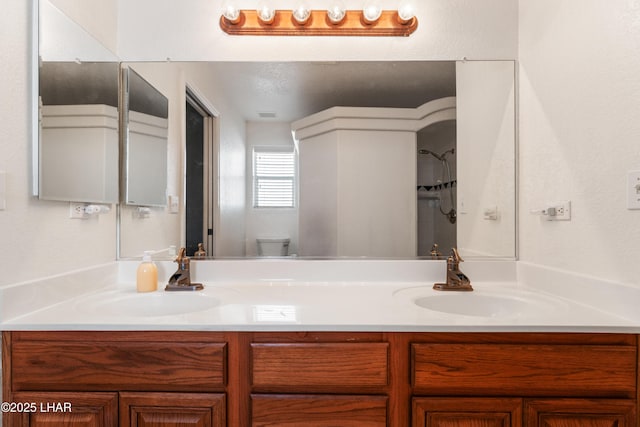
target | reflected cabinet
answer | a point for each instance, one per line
(155, 378)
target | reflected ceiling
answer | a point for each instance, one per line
(292, 90)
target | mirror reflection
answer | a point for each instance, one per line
(266, 158)
(78, 142)
(146, 119)
(340, 160)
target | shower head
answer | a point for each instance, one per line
(440, 157)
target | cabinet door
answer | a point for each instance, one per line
(580, 413)
(466, 412)
(172, 409)
(51, 409)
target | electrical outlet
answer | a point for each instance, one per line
(77, 211)
(563, 211)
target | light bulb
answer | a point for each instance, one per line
(406, 11)
(266, 13)
(336, 12)
(371, 12)
(301, 13)
(231, 12)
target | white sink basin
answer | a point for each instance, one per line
(151, 304)
(491, 304)
(475, 305)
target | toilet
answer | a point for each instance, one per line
(273, 246)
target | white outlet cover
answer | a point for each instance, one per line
(633, 190)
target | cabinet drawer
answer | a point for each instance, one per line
(524, 370)
(319, 367)
(318, 410)
(103, 366)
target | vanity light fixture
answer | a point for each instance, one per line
(230, 12)
(406, 11)
(371, 12)
(266, 13)
(301, 13)
(336, 12)
(336, 20)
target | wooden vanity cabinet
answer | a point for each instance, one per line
(580, 413)
(171, 409)
(52, 409)
(318, 379)
(116, 378)
(550, 380)
(467, 412)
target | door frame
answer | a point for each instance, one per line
(211, 145)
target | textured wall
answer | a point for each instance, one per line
(38, 238)
(580, 133)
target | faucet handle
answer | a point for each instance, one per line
(455, 256)
(182, 253)
(435, 251)
(182, 259)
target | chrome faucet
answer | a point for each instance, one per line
(456, 279)
(181, 279)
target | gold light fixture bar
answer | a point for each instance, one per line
(353, 24)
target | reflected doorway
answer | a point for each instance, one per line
(200, 139)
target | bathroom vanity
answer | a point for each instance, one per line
(142, 378)
(352, 348)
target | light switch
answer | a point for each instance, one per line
(633, 190)
(3, 190)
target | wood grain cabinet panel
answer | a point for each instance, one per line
(466, 412)
(318, 411)
(106, 366)
(321, 367)
(172, 409)
(524, 370)
(580, 413)
(66, 409)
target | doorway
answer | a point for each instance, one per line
(200, 137)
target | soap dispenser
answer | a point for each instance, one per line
(147, 274)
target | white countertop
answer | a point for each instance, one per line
(505, 298)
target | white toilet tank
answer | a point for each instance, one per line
(273, 246)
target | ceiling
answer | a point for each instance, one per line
(287, 91)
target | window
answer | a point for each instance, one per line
(273, 177)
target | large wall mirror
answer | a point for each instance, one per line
(334, 159)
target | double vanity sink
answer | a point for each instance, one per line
(278, 295)
(502, 303)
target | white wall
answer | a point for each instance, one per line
(264, 222)
(485, 106)
(38, 238)
(449, 29)
(580, 133)
(358, 192)
(99, 20)
(377, 205)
